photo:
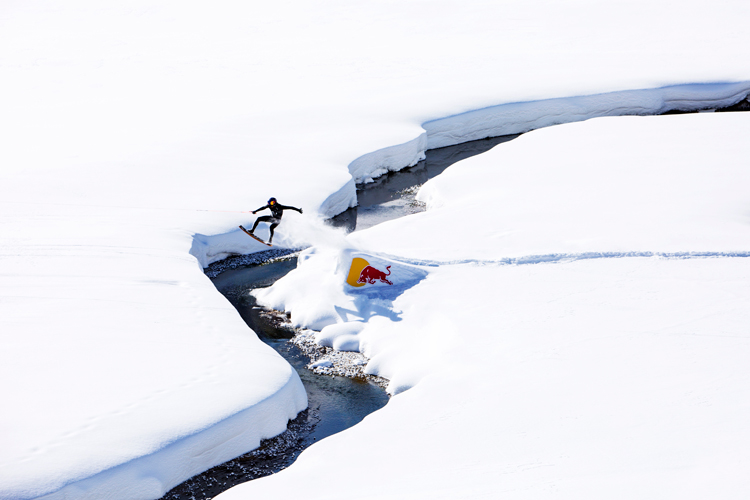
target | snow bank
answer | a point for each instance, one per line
(514, 118)
(519, 117)
(670, 184)
(151, 476)
(318, 295)
(618, 376)
(124, 370)
(613, 377)
(389, 159)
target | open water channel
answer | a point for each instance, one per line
(334, 403)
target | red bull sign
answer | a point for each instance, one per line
(362, 273)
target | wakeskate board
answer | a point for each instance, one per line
(253, 236)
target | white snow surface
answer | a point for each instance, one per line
(132, 135)
(581, 329)
(667, 184)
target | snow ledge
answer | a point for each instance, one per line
(152, 476)
(519, 117)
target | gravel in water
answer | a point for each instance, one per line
(327, 361)
(325, 394)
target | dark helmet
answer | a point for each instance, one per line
(272, 200)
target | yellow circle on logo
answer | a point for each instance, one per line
(356, 270)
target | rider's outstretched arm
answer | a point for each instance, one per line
(261, 208)
(285, 207)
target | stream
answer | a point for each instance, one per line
(335, 403)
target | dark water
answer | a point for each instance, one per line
(342, 401)
(334, 403)
(339, 402)
(392, 195)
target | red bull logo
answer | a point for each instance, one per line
(362, 273)
(369, 275)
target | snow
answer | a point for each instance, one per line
(564, 190)
(320, 299)
(588, 338)
(340, 336)
(614, 377)
(134, 136)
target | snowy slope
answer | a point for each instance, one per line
(665, 184)
(121, 123)
(618, 378)
(543, 357)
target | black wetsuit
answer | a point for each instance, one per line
(277, 211)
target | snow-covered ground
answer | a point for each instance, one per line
(123, 371)
(582, 329)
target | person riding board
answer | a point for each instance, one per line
(277, 211)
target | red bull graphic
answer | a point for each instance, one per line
(362, 273)
(369, 274)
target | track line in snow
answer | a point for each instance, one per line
(569, 257)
